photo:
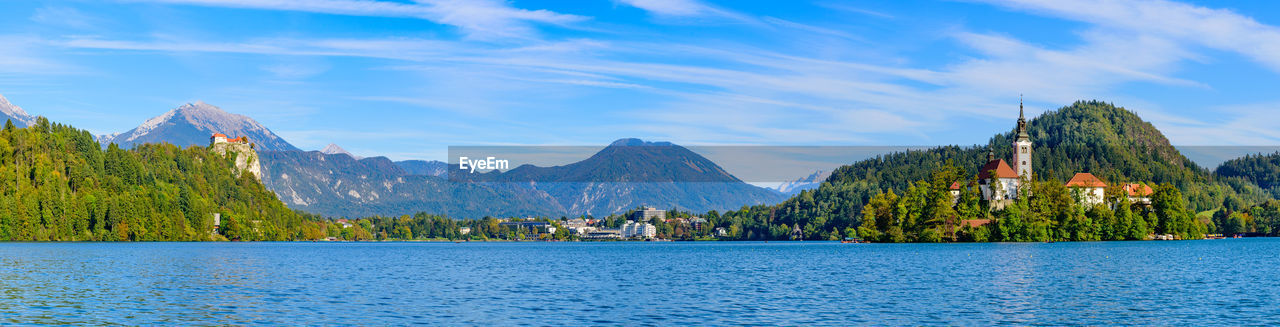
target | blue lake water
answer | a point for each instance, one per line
(804, 283)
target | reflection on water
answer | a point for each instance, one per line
(1192, 282)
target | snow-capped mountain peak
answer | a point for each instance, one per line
(192, 123)
(335, 149)
(9, 111)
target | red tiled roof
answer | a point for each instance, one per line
(955, 185)
(1000, 167)
(1085, 180)
(219, 135)
(1137, 190)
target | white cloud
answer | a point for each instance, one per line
(482, 19)
(1187, 24)
(686, 9)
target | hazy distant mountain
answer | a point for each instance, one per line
(8, 111)
(804, 183)
(622, 176)
(339, 185)
(193, 123)
(630, 173)
(424, 167)
(335, 149)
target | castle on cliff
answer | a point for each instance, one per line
(246, 156)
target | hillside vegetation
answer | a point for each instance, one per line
(58, 184)
(1260, 169)
(1087, 136)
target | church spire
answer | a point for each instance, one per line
(1022, 122)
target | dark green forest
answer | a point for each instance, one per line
(58, 184)
(1260, 169)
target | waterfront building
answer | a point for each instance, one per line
(722, 232)
(639, 230)
(603, 234)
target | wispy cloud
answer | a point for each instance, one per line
(64, 16)
(687, 9)
(1185, 24)
(477, 18)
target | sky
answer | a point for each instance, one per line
(407, 79)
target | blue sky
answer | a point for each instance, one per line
(406, 79)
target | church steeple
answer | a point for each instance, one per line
(1022, 122)
(1022, 145)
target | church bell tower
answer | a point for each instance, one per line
(1022, 146)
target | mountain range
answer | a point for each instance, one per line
(335, 182)
(804, 183)
(627, 174)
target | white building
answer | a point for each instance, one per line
(464, 230)
(1138, 193)
(998, 181)
(1087, 189)
(639, 230)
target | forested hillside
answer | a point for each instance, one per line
(58, 184)
(1087, 136)
(1260, 169)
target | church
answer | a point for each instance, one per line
(999, 181)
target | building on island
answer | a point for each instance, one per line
(1087, 189)
(1138, 193)
(464, 230)
(1000, 182)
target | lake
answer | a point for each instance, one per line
(733, 283)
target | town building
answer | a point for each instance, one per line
(534, 226)
(1087, 189)
(648, 213)
(697, 222)
(464, 230)
(603, 234)
(633, 229)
